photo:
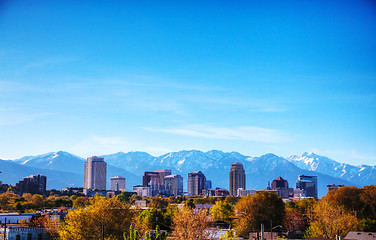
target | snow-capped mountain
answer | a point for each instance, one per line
(268, 167)
(214, 164)
(60, 160)
(361, 175)
(65, 162)
(12, 173)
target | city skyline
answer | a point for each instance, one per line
(255, 78)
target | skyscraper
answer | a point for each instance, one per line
(95, 170)
(308, 184)
(173, 185)
(162, 174)
(152, 180)
(196, 182)
(117, 183)
(237, 178)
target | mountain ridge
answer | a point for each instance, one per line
(215, 164)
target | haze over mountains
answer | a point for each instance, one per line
(66, 170)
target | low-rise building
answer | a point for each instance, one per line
(143, 191)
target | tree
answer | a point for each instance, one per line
(294, 220)
(125, 197)
(133, 234)
(328, 219)
(222, 211)
(188, 225)
(151, 218)
(158, 203)
(159, 235)
(368, 197)
(81, 202)
(232, 200)
(108, 217)
(263, 207)
(347, 197)
(229, 235)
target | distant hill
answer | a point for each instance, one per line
(64, 169)
(60, 162)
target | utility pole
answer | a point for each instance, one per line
(5, 229)
(262, 231)
(271, 229)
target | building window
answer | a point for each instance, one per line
(40, 236)
(18, 237)
(29, 236)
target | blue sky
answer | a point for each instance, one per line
(98, 77)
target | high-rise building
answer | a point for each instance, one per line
(95, 171)
(281, 186)
(308, 184)
(117, 183)
(32, 184)
(173, 185)
(152, 180)
(237, 178)
(196, 182)
(162, 174)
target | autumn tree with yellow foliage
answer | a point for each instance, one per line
(329, 220)
(104, 217)
(188, 225)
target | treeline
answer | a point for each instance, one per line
(339, 212)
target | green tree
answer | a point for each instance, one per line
(222, 211)
(151, 218)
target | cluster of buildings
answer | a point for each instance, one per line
(306, 187)
(160, 182)
(164, 182)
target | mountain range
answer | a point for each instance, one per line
(64, 169)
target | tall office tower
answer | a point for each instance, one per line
(32, 184)
(173, 185)
(162, 174)
(95, 170)
(237, 178)
(118, 183)
(308, 184)
(196, 182)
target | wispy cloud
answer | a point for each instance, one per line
(243, 133)
(10, 118)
